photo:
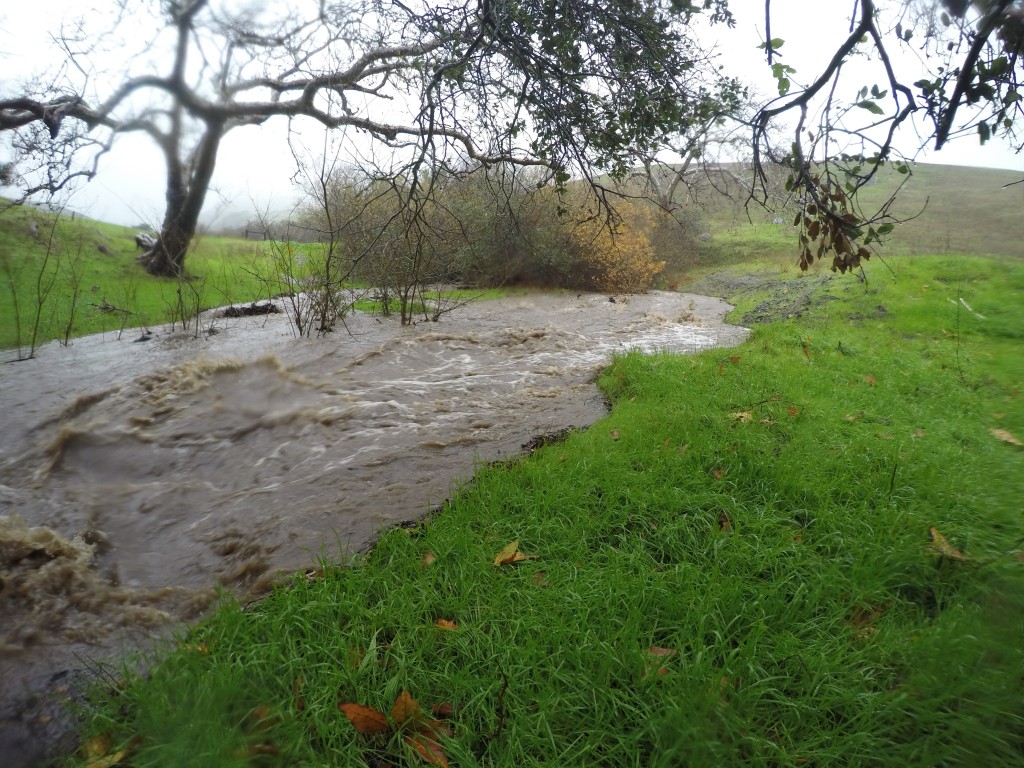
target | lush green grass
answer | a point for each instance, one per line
(63, 278)
(761, 514)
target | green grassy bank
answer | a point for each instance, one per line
(806, 550)
(76, 276)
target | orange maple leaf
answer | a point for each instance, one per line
(366, 720)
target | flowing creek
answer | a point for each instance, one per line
(137, 478)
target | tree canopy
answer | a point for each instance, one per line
(573, 86)
(966, 79)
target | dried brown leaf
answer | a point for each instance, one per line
(870, 380)
(1006, 437)
(793, 410)
(366, 720)
(255, 750)
(614, 434)
(942, 546)
(443, 710)
(107, 761)
(510, 554)
(451, 626)
(507, 553)
(723, 522)
(656, 650)
(404, 709)
(742, 415)
(718, 473)
(655, 664)
(261, 717)
(428, 559)
(427, 748)
(97, 746)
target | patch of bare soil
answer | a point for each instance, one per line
(789, 297)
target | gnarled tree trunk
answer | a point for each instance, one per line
(187, 183)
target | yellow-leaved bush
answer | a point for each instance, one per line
(619, 259)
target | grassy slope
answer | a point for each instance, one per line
(68, 250)
(762, 514)
(948, 210)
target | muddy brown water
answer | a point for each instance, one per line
(137, 478)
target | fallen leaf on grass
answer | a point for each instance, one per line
(256, 750)
(742, 415)
(261, 718)
(419, 733)
(405, 708)
(442, 711)
(451, 626)
(107, 761)
(853, 416)
(718, 473)
(792, 410)
(863, 619)
(428, 560)
(97, 746)
(655, 665)
(615, 434)
(870, 380)
(1006, 437)
(510, 554)
(427, 748)
(723, 687)
(366, 720)
(723, 522)
(941, 545)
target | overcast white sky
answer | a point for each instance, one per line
(254, 163)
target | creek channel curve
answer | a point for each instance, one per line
(138, 478)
